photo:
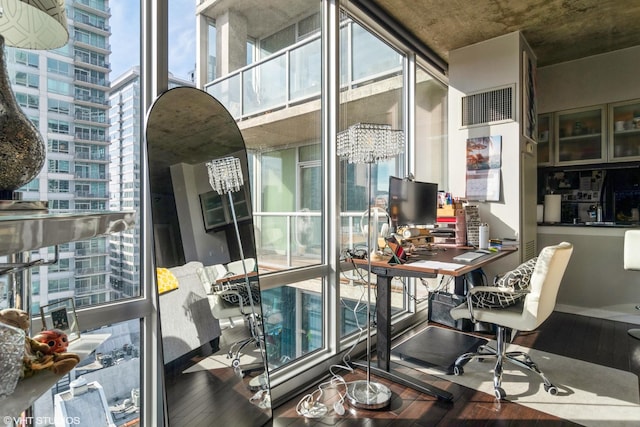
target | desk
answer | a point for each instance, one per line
(385, 272)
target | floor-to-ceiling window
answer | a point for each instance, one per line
(100, 276)
(372, 83)
(276, 99)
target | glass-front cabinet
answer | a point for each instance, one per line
(580, 136)
(624, 131)
(545, 139)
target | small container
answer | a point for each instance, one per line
(484, 236)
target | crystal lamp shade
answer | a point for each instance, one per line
(225, 174)
(369, 143)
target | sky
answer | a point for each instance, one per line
(125, 37)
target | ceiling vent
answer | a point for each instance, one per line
(491, 106)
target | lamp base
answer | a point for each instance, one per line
(365, 394)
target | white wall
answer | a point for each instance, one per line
(189, 181)
(599, 79)
(483, 66)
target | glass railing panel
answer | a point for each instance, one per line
(265, 86)
(305, 70)
(228, 93)
(288, 240)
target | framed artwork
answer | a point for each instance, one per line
(483, 164)
(529, 110)
(61, 315)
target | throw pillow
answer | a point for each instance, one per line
(516, 286)
(166, 280)
(239, 290)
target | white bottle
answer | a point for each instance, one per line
(484, 236)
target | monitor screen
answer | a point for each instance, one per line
(412, 203)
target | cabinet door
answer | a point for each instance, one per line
(580, 136)
(545, 139)
(624, 131)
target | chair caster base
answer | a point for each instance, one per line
(551, 389)
(499, 393)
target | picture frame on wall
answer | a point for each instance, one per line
(529, 107)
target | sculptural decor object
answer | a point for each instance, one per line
(27, 25)
(189, 133)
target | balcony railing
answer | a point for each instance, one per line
(295, 239)
(293, 75)
(290, 76)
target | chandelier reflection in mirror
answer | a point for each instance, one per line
(225, 177)
(369, 143)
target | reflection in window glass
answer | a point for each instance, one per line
(372, 93)
(103, 387)
(293, 321)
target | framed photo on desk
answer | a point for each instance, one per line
(61, 315)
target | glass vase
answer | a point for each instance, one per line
(12, 344)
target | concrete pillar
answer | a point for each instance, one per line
(231, 42)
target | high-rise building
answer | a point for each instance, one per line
(124, 171)
(65, 93)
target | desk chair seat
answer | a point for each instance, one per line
(632, 261)
(526, 315)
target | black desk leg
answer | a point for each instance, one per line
(383, 321)
(383, 346)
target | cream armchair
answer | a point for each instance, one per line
(525, 315)
(632, 261)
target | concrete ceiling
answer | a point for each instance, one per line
(556, 30)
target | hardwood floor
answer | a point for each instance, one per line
(599, 341)
(211, 398)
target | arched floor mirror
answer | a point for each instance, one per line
(206, 266)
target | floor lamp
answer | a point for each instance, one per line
(225, 177)
(366, 143)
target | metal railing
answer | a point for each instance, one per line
(293, 75)
(293, 239)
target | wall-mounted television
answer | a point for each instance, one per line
(412, 203)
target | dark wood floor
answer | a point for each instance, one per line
(203, 398)
(599, 341)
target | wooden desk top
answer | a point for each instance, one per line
(435, 263)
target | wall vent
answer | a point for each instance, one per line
(495, 105)
(529, 249)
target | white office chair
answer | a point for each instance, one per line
(632, 261)
(525, 315)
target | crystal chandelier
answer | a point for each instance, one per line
(225, 175)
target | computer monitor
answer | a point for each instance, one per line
(412, 203)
